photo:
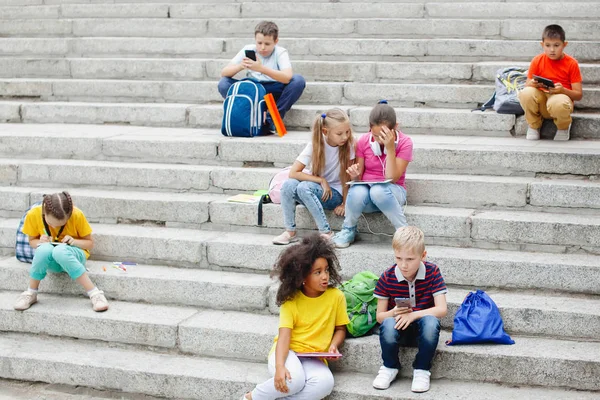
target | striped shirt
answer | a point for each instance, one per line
(427, 284)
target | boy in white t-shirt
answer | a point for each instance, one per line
(272, 69)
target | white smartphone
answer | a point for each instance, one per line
(402, 302)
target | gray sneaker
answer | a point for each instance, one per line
(563, 134)
(25, 300)
(532, 134)
(344, 238)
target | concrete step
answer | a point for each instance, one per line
(403, 95)
(195, 331)
(349, 49)
(131, 323)
(514, 230)
(130, 370)
(174, 10)
(147, 284)
(253, 251)
(430, 121)
(423, 189)
(432, 154)
(313, 71)
(297, 26)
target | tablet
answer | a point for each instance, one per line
(544, 81)
(318, 355)
(367, 182)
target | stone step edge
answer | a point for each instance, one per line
(137, 371)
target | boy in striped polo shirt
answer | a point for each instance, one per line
(417, 283)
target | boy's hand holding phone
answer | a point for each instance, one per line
(557, 89)
(251, 62)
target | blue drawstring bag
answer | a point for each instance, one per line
(478, 320)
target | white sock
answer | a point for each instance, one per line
(34, 291)
(93, 291)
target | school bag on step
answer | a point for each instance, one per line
(360, 302)
(244, 109)
(23, 251)
(509, 82)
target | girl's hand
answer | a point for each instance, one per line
(340, 210)
(281, 376)
(353, 171)
(45, 239)
(388, 137)
(326, 190)
(404, 320)
(333, 349)
(68, 240)
(557, 89)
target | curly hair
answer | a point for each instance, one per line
(295, 263)
(59, 205)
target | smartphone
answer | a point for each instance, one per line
(544, 81)
(56, 243)
(402, 302)
(251, 54)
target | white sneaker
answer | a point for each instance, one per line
(385, 377)
(420, 381)
(25, 300)
(563, 134)
(285, 238)
(533, 134)
(99, 302)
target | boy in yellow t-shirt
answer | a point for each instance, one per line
(62, 239)
(313, 318)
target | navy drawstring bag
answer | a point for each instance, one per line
(478, 320)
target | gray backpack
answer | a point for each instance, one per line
(509, 81)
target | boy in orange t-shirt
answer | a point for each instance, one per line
(542, 102)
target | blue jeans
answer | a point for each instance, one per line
(286, 95)
(387, 198)
(309, 194)
(423, 333)
(61, 258)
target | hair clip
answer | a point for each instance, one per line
(382, 102)
(323, 115)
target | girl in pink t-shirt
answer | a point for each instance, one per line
(382, 156)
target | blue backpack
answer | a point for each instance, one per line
(478, 320)
(244, 109)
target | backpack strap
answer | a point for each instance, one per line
(263, 199)
(47, 228)
(488, 104)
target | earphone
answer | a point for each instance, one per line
(376, 147)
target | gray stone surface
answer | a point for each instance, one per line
(33, 27)
(495, 10)
(149, 325)
(114, 11)
(333, 10)
(10, 112)
(584, 194)
(435, 222)
(124, 68)
(34, 67)
(539, 228)
(153, 284)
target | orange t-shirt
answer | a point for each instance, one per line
(564, 71)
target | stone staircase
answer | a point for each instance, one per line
(117, 102)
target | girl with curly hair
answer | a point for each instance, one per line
(62, 239)
(312, 318)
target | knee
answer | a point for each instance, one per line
(43, 251)
(325, 384)
(429, 327)
(223, 86)
(297, 82)
(357, 195)
(561, 105)
(528, 94)
(60, 253)
(380, 193)
(289, 187)
(297, 383)
(387, 331)
(305, 188)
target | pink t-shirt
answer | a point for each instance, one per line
(374, 165)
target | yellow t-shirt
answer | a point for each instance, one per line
(313, 320)
(77, 226)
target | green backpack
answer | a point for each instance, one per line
(360, 302)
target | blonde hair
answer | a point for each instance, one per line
(330, 120)
(409, 237)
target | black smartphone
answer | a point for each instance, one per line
(544, 81)
(251, 54)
